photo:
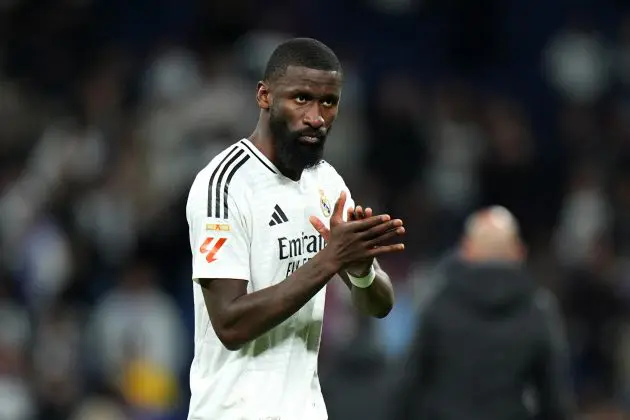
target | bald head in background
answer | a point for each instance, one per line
(487, 303)
(492, 234)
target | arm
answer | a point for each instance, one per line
(551, 374)
(376, 300)
(239, 317)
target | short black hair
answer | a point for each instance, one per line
(302, 52)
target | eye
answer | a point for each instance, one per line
(301, 99)
(328, 103)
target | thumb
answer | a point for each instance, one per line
(320, 227)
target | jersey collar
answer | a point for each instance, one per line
(260, 156)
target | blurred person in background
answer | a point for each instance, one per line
(56, 361)
(593, 299)
(262, 257)
(490, 344)
(137, 343)
(100, 408)
(17, 401)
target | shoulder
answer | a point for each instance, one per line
(224, 176)
(325, 168)
(328, 174)
(230, 164)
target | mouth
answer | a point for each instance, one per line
(309, 139)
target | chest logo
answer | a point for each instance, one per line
(324, 203)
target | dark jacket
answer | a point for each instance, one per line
(487, 338)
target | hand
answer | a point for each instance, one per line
(362, 268)
(358, 240)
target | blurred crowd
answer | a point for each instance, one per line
(108, 109)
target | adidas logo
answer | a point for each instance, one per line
(277, 216)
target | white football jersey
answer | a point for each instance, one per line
(248, 221)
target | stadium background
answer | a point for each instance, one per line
(108, 108)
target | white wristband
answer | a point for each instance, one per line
(363, 282)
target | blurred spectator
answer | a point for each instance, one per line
(578, 63)
(96, 408)
(396, 129)
(457, 148)
(45, 263)
(585, 216)
(466, 361)
(592, 301)
(57, 347)
(16, 397)
(513, 173)
(109, 214)
(137, 343)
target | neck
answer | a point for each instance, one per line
(263, 140)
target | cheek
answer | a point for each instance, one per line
(329, 117)
(291, 116)
(277, 114)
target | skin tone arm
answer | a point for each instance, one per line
(238, 317)
(377, 300)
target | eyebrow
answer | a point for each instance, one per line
(310, 91)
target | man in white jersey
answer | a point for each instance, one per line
(266, 239)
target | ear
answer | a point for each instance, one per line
(263, 95)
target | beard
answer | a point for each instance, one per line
(291, 154)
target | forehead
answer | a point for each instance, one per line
(298, 78)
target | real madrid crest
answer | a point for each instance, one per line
(324, 203)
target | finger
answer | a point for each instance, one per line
(378, 230)
(367, 224)
(320, 227)
(368, 212)
(387, 236)
(387, 249)
(358, 212)
(339, 206)
(350, 214)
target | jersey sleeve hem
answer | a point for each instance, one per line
(221, 274)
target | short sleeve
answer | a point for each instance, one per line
(220, 246)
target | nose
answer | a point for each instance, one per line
(313, 118)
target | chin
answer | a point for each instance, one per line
(298, 167)
(309, 162)
(300, 157)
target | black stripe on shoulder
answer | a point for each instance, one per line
(217, 185)
(226, 187)
(258, 157)
(215, 172)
